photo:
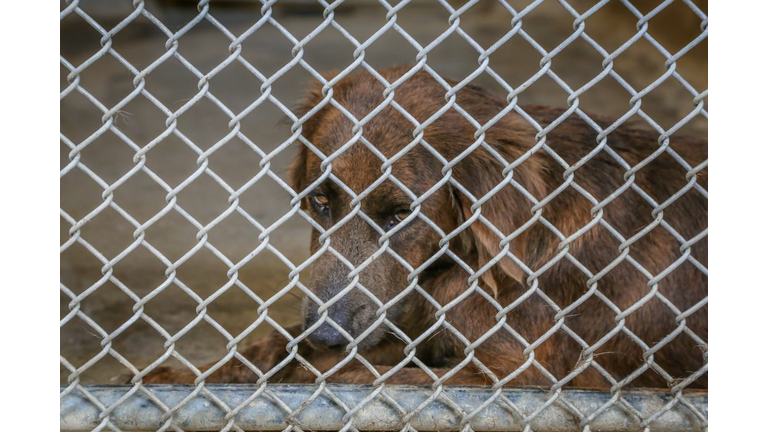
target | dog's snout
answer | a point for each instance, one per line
(326, 335)
(329, 337)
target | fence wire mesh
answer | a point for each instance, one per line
(197, 193)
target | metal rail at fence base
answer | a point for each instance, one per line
(138, 412)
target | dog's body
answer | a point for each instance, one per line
(553, 271)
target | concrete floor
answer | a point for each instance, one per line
(205, 47)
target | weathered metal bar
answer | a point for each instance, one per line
(201, 414)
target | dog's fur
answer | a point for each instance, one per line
(558, 266)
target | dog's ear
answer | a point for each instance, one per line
(312, 98)
(298, 168)
(297, 171)
(507, 210)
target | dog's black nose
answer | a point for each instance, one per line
(329, 337)
(326, 335)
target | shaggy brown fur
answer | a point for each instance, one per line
(475, 244)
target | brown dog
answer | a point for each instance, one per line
(539, 243)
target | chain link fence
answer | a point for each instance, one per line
(183, 242)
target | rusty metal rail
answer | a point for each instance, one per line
(137, 412)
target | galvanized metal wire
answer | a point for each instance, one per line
(380, 392)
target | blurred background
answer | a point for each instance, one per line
(205, 46)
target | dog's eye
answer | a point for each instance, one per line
(401, 215)
(320, 201)
(397, 218)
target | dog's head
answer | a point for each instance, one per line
(393, 200)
